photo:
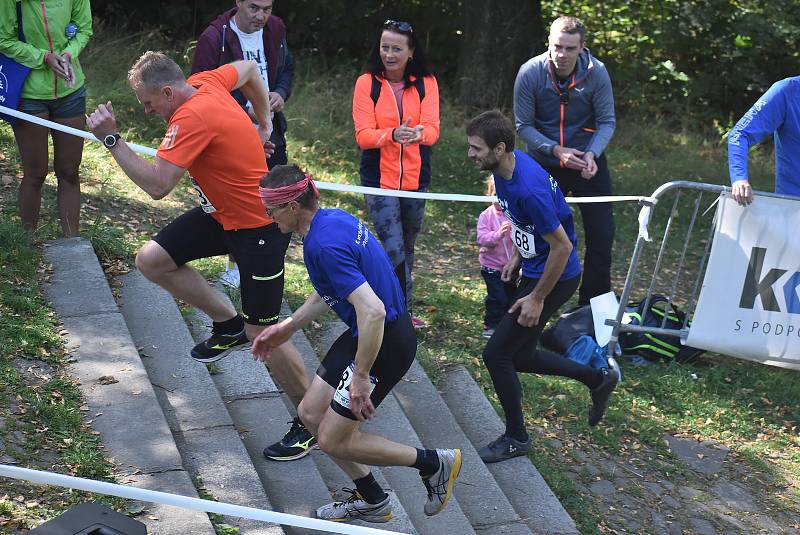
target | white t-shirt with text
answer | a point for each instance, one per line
(253, 49)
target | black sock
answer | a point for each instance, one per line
(427, 462)
(231, 326)
(369, 489)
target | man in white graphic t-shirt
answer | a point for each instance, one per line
(251, 31)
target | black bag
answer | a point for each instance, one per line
(655, 347)
(568, 327)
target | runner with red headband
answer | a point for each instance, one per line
(351, 274)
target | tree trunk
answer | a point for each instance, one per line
(499, 36)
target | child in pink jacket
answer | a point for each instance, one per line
(496, 249)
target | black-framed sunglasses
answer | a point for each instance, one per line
(398, 25)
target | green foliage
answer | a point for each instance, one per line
(695, 63)
(692, 63)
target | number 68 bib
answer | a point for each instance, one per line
(524, 241)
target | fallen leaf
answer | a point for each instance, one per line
(107, 380)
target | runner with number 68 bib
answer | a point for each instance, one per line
(544, 236)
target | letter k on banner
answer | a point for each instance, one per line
(749, 306)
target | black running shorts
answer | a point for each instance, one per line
(259, 252)
(394, 358)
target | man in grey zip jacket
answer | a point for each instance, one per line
(564, 110)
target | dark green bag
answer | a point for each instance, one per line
(655, 347)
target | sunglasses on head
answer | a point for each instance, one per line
(398, 25)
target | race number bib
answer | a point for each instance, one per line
(342, 394)
(524, 242)
(205, 204)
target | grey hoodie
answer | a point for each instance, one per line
(588, 116)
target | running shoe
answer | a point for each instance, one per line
(503, 448)
(218, 346)
(356, 508)
(230, 277)
(418, 323)
(295, 444)
(440, 484)
(602, 393)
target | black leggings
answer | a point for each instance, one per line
(512, 349)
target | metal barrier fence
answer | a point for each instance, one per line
(679, 268)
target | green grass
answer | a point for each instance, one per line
(40, 410)
(750, 408)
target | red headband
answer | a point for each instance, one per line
(287, 194)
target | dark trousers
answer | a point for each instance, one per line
(598, 226)
(512, 349)
(499, 296)
(278, 157)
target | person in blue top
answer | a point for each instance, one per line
(352, 275)
(544, 236)
(776, 112)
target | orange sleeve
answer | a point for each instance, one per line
(369, 135)
(429, 112)
(224, 78)
(185, 139)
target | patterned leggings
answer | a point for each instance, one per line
(397, 222)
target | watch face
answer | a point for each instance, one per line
(110, 140)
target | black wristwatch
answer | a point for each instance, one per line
(110, 140)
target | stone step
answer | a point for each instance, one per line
(417, 402)
(391, 423)
(142, 448)
(261, 412)
(210, 445)
(520, 480)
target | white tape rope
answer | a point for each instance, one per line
(68, 129)
(331, 186)
(185, 502)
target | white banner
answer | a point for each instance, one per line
(749, 305)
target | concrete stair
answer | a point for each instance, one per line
(215, 424)
(125, 413)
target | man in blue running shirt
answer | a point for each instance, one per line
(544, 236)
(352, 275)
(777, 112)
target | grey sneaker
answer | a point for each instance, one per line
(602, 393)
(503, 448)
(356, 508)
(440, 484)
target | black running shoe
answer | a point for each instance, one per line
(218, 346)
(602, 393)
(503, 448)
(295, 444)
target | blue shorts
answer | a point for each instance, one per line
(73, 105)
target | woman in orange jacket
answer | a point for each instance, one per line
(396, 116)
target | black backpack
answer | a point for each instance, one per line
(651, 346)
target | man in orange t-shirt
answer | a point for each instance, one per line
(212, 137)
